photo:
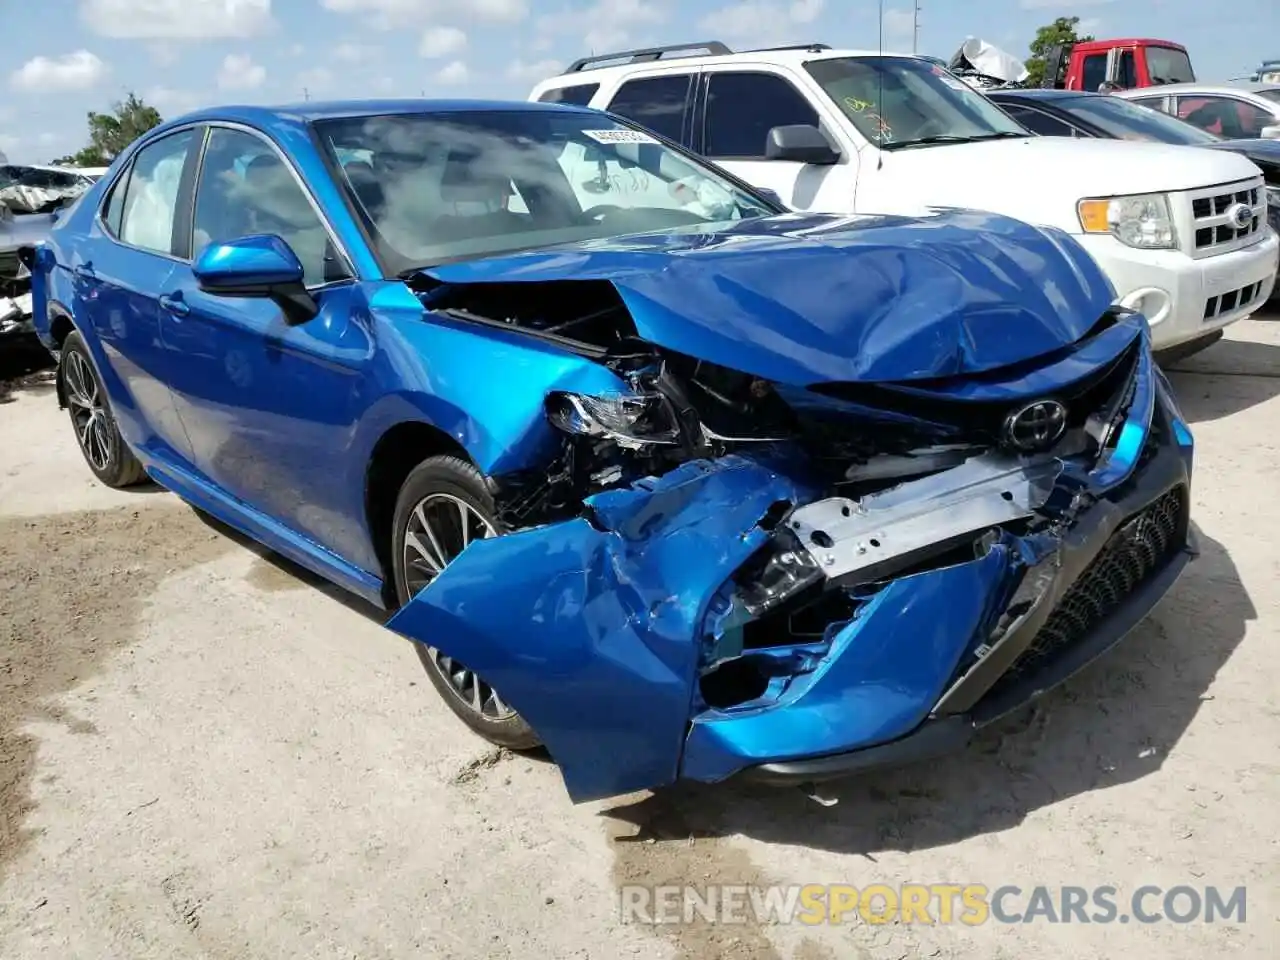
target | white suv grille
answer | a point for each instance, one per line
(1206, 218)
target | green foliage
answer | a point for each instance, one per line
(1061, 31)
(112, 132)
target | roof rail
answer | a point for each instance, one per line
(711, 48)
(813, 47)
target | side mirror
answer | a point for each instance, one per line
(256, 266)
(800, 143)
(1270, 133)
(771, 195)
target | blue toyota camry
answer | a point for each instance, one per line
(660, 476)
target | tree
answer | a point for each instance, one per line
(110, 133)
(1061, 31)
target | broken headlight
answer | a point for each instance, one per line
(631, 420)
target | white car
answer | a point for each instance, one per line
(1245, 111)
(1182, 234)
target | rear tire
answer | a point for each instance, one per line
(101, 445)
(438, 497)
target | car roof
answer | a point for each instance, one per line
(1040, 93)
(1192, 87)
(308, 111)
(778, 57)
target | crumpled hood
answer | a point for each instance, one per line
(804, 298)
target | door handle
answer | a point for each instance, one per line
(174, 304)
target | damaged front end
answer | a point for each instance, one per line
(722, 573)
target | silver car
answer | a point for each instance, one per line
(1243, 111)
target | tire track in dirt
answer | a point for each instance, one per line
(72, 588)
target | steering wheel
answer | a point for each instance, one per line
(599, 211)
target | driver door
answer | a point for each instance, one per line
(270, 407)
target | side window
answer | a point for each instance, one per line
(1154, 103)
(1225, 116)
(658, 103)
(245, 188)
(579, 96)
(151, 198)
(735, 130)
(1038, 122)
(1128, 78)
(113, 210)
(1094, 72)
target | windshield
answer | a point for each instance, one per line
(450, 186)
(1131, 121)
(898, 102)
(1166, 65)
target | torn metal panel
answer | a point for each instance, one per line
(19, 198)
(595, 640)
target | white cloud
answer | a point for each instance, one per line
(441, 42)
(389, 14)
(453, 73)
(603, 26)
(170, 101)
(177, 19)
(74, 71)
(355, 52)
(8, 144)
(47, 139)
(771, 20)
(239, 72)
(533, 72)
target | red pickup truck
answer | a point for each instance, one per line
(1129, 63)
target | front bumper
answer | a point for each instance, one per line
(1185, 299)
(1023, 667)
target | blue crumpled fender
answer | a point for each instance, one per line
(590, 627)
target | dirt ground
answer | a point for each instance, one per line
(205, 754)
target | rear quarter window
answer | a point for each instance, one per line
(579, 95)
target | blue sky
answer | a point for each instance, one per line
(62, 58)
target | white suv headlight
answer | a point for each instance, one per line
(1141, 221)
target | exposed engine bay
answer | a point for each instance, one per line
(900, 478)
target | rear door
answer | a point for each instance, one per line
(662, 103)
(120, 275)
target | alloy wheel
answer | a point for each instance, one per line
(439, 528)
(89, 415)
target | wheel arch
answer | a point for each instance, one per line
(397, 451)
(61, 326)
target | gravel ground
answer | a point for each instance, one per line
(206, 754)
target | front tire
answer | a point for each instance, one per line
(101, 445)
(444, 505)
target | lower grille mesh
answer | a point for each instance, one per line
(1139, 549)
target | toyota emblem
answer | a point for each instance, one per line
(1240, 215)
(1036, 426)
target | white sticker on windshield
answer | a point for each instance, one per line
(619, 136)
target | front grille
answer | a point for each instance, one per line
(1232, 300)
(1213, 230)
(1138, 550)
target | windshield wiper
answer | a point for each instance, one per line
(952, 138)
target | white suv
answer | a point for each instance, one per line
(1182, 233)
